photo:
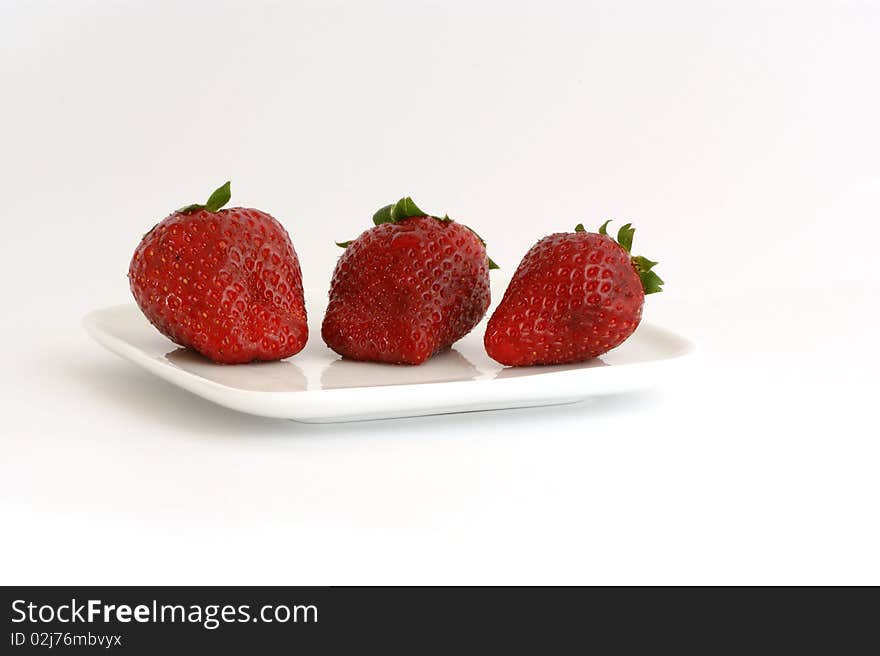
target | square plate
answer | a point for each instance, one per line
(316, 385)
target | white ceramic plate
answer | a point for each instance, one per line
(316, 385)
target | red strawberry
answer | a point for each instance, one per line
(226, 283)
(410, 286)
(574, 296)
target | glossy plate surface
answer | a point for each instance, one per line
(316, 385)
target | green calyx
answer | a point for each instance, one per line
(406, 208)
(218, 199)
(651, 282)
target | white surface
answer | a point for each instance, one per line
(317, 386)
(740, 138)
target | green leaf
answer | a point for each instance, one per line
(603, 229)
(643, 263)
(651, 282)
(492, 264)
(218, 199)
(406, 208)
(625, 236)
(580, 228)
(344, 244)
(384, 215)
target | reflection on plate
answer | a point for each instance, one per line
(444, 367)
(516, 372)
(282, 376)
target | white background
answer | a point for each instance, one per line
(743, 141)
